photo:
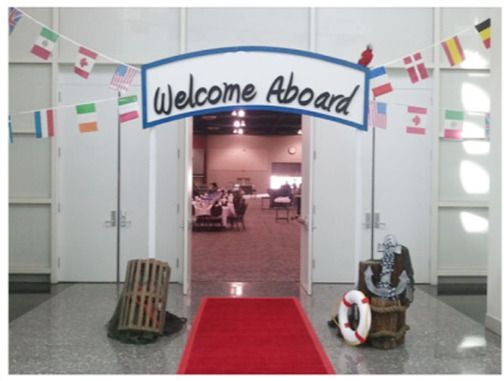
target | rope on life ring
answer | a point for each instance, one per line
(358, 336)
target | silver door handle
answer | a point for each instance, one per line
(113, 221)
(123, 221)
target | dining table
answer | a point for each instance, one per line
(204, 207)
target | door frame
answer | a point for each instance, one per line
(185, 225)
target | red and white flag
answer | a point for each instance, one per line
(416, 67)
(380, 84)
(418, 116)
(84, 63)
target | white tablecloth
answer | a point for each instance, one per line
(203, 209)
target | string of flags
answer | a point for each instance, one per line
(44, 121)
(85, 59)
(128, 109)
(415, 67)
(453, 120)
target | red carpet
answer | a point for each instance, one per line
(253, 336)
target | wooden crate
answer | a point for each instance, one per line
(388, 327)
(144, 296)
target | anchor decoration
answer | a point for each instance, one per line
(384, 288)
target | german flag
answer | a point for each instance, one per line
(453, 51)
(484, 32)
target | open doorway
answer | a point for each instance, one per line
(252, 158)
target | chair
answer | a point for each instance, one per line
(240, 210)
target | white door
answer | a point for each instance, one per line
(306, 205)
(185, 225)
(403, 177)
(88, 180)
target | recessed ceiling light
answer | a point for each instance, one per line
(240, 131)
(233, 113)
(241, 113)
(236, 123)
(300, 132)
(242, 123)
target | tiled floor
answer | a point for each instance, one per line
(66, 334)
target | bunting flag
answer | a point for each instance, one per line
(122, 78)
(484, 32)
(453, 125)
(453, 51)
(44, 44)
(487, 125)
(86, 116)
(418, 119)
(128, 109)
(380, 84)
(415, 67)
(44, 123)
(14, 17)
(84, 63)
(378, 114)
(11, 134)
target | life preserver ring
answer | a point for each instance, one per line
(358, 336)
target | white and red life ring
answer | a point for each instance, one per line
(358, 336)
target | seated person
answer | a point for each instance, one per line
(213, 193)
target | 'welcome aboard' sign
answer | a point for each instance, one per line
(254, 77)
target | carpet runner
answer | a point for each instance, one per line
(253, 336)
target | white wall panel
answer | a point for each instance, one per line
(25, 34)
(29, 237)
(29, 88)
(218, 27)
(463, 241)
(30, 167)
(132, 35)
(464, 171)
(394, 32)
(454, 20)
(462, 90)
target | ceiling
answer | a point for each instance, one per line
(257, 122)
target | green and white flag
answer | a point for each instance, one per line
(86, 115)
(44, 44)
(453, 124)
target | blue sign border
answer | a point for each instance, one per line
(270, 49)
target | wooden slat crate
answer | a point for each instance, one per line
(144, 296)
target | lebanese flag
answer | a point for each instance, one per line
(418, 119)
(84, 63)
(44, 123)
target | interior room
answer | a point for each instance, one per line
(256, 157)
(253, 190)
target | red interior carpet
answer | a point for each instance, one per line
(253, 336)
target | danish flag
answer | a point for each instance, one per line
(415, 67)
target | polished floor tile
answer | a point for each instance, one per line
(67, 334)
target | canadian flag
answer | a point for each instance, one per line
(84, 63)
(415, 67)
(418, 116)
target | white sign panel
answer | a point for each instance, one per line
(251, 77)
